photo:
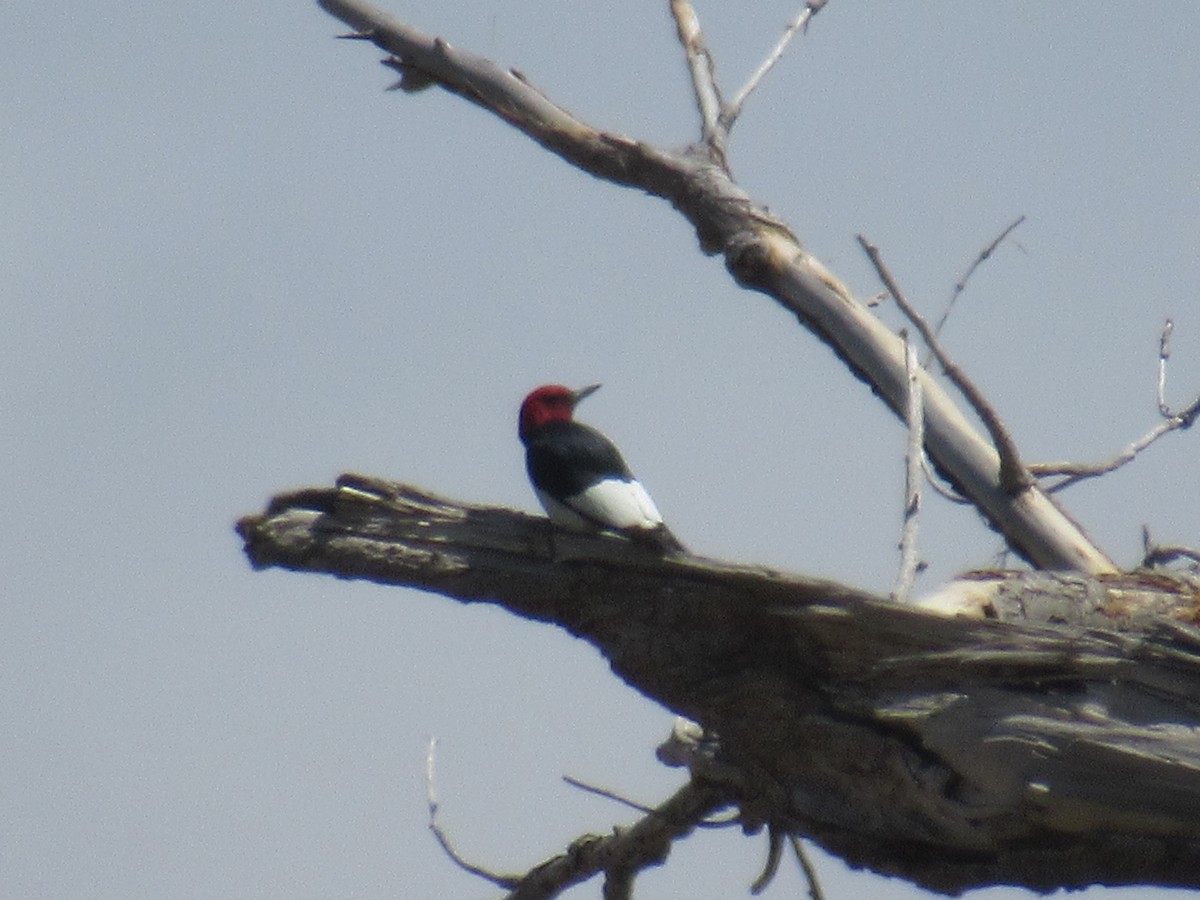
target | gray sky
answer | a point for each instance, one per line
(233, 265)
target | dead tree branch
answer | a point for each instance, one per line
(798, 24)
(704, 75)
(1036, 729)
(762, 254)
(619, 856)
(914, 477)
(1014, 477)
(1155, 554)
(1073, 473)
(961, 285)
(435, 825)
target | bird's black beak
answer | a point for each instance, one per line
(583, 392)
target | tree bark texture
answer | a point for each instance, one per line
(1038, 729)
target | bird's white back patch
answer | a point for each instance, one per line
(612, 503)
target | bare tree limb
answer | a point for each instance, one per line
(621, 855)
(762, 254)
(800, 23)
(1032, 728)
(1154, 554)
(914, 477)
(961, 285)
(703, 72)
(934, 480)
(505, 881)
(1164, 354)
(1172, 421)
(606, 793)
(1014, 477)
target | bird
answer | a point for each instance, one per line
(580, 476)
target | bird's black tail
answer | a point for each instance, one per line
(660, 539)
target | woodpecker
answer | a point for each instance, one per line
(579, 475)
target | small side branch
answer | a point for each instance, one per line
(703, 72)
(1014, 477)
(1073, 473)
(913, 477)
(625, 852)
(620, 855)
(800, 23)
(961, 285)
(716, 116)
(1165, 554)
(508, 882)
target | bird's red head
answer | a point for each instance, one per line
(549, 403)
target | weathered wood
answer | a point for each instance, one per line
(1024, 728)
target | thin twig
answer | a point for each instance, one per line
(508, 882)
(914, 414)
(1014, 477)
(1164, 353)
(800, 23)
(715, 822)
(961, 284)
(1166, 553)
(1163, 554)
(1188, 415)
(814, 885)
(935, 482)
(703, 72)
(623, 853)
(1073, 473)
(606, 793)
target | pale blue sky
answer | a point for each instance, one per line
(232, 264)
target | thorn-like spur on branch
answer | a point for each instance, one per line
(800, 23)
(1030, 728)
(762, 254)
(1154, 554)
(1014, 477)
(1073, 473)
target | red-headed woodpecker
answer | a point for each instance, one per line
(579, 474)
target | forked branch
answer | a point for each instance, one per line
(762, 254)
(1172, 420)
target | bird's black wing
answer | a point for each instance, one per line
(565, 458)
